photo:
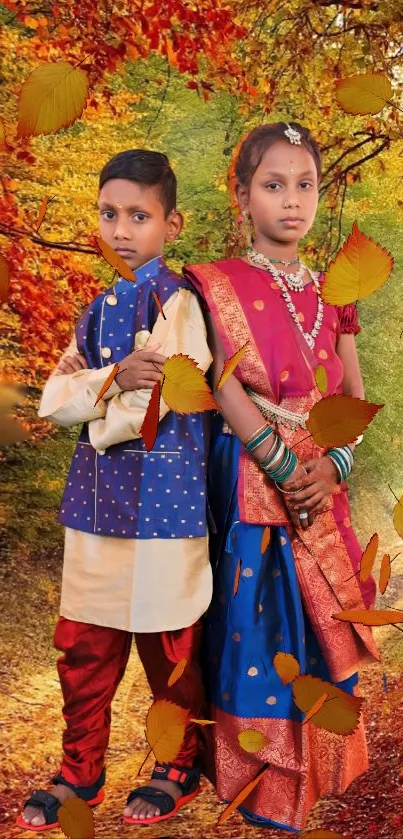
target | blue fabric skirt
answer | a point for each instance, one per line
(243, 633)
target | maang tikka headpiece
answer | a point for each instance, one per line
(293, 135)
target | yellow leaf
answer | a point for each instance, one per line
(338, 420)
(166, 729)
(385, 572)
(252, 740)
(115, 260)
(185, 389)
(361, 267)
(265, 540)
(240, 797)
(370, 617)
(366, 93)
(321, 378)
(52, 97)
(203, 722)
(4, 278)
(316, 707)
(368, 557)
(177, 672)
(340, 715)
(398, 517)
(320, 833)
(76, 819)
(286, 666)
(230, 364)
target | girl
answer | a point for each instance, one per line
(286, 593)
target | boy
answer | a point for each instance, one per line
(136, 544)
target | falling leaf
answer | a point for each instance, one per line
(240, 797)
(338, 420)
(3, 144)
(361, 267)
(230, 364)
(158, 302)
(252, 740)
(114, 259)
(203, 722)
(237, 577)
(340, 715)
(166, 723)
(171, 54)
(10, 429)
(316, 707)
(265, 540)
(42, 211)
(368, 557)
(4, 278)
(52, 97)
(321, 378)
(366, 93)
(320, 833)
(107, 383)
(286, 666)
(398, 517)
(370, 617)
(177, 672)
(149, 428)
(76, 819)
(385, 572)
(185, 389)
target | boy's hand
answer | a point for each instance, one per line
(322, 476)
(142, 368)
(71, 364)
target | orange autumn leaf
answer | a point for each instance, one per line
(159, 304)
(149, 428)
(321, 378)
(368, 558)
(286, 667)
(361, 267)
(364, 93)
(338, 420)
(165, 729)
(237, 578)
(203, 722)
(320, 833)
(42, 211)
(240, 797)
(316, 707)
(114, 259)
(76, 819)
(107, 383)
(340, 715)
(185, 388)
(230, 364)
(171, 54)
(252, 740)
(370, 617)
(398, 517)
(52, 97)
(4, 278)
(3, 144)
(177, 672)
(384, 574)
(265, 540)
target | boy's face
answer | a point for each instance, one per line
(132, 221)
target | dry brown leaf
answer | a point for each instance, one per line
(398, 517)
(265, 540)
(240, 797)
(316, 707)
(42, 211)
(149, 428)
(177, 672)
(114, 259)
(76, 819)
(4, 278)
(159, 304)
(340, 715)
(368, 557)
(237, 578)
(165, 731)
(370, 617)
(230, 364)
(384, 574)
(286, 666)
(251, 740)
(107, 383)
(339, 420)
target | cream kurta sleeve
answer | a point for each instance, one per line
(183, 331)
(69, 398)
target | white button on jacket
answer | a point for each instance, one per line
(106, 352)
(111, 300)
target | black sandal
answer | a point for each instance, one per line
(50, 804)
(186, 777)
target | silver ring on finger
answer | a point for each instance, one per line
(303, 515)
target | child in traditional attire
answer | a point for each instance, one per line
(136, 545)
(276, 590)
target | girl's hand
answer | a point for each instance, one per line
(321, 482)
(71, 364)
(298, 481)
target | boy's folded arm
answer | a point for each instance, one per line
(69, 398)
(183, 331)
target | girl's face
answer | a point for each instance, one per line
(283, 194)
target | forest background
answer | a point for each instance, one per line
(189, 79)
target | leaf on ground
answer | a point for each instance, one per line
(177, 672)
(185, 388)
(368, 557)
(240, 797)
(265, 540)
(252, 740)
(149, 428)
(165, 730)
(340, 715)
(230, 364)
(237, 578)
(52, 97)
(286, 666)
(339, 420)
(398, 517)
(4, 278)
(321, 378)
(370, 617)
(384, 574)
(76, 819)
(361, 267)
(364, 93)
(114, 259)
(107, 383)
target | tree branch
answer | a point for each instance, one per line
(72, 247)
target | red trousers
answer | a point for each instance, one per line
(93, 664)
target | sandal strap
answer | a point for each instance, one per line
(86, 793)
(186, 777)
(48, 802)
(151, 795)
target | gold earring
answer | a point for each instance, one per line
(247, 228)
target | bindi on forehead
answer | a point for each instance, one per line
(292, 170)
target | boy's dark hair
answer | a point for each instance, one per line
(146, 168)
(260, 139)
